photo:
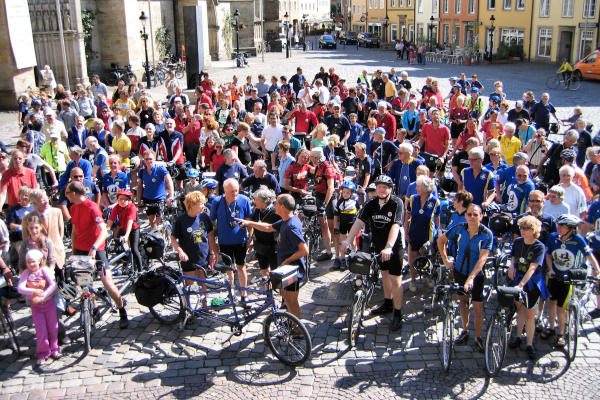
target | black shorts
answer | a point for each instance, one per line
(329, 209)
(182, 175)
(190, 267)
(267, 260)
(477, 290)
(294, 287)
(101, 259)
(237, 252)
(345, 228)
(153, 207)
(560, 292)
(394, 264)
(533, 295)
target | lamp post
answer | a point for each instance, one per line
(431, 22)
(287, 35)
(236, 25)
(144, 35)
(492, 20)
(386, 20)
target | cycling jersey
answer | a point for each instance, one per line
(422, 222)
(346, 210)
(478, 185)
(380, 218)
(110, 185)
(403, 174)
(467, 248)
(154, 182)
(568, 254)
(518, 196)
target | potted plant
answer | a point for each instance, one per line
(470, 52)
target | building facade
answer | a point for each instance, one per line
(426, 19)
(512, 24)
(401, 24)
(458, 22)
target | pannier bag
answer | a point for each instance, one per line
(150, 288)
(284, 276)
(360, 263)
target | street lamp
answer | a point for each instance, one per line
(236, 25)
(144, 35)
(287, 35)
(492, 20)
(431, 24)
(386, 19)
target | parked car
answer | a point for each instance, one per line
(589, 67)
(367, 40)
(347, 37)
(327, 42)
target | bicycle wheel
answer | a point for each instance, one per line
(288, 338)
(355, 317)
(179, 73)
(160, 75)
(86, 323)
(8, 326)
(553, 82)
(572, 331)
(573, 83)
(495, 345)
(171, 308)
(447, 339)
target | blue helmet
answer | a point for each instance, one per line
(209, 183)
(193, 173)
(349, 185)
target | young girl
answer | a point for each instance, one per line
(37, 283)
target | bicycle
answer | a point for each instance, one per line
(366, 268)
(570, 82)
(499, 327)
(284, 333)
(7, 323)
(311, 229)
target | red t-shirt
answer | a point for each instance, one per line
(465, 135)
(486, 129)
(12, 180)
(324, 172)
(193, 135)
(217, 160)
(206, 152)
(124, 214)
(85, 218)
(319, 111)
(435, 139)
(298, 175)
(387, 122)
(304, 120)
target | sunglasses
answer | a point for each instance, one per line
(473, 215)
(474, 159)
(77, 176)
(535, 201)
(494, 154)
(525, 228)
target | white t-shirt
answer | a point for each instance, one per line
(575, 199)
(323, 95)
(554, 211)
(272, 136)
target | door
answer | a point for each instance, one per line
(564, 45)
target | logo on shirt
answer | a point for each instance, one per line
(99, 219)
(563, 259)
(483, 177)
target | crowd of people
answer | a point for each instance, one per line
(376, 153)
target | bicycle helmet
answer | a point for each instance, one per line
(569, 220)
(423, 265)
(134, 162)
(568, 155)
(124, 192)
(448, 184)
(349, 185)
(209, 183)
(500, 223)
(384, 179)
(371, 187)
(193, 173)
(68, 291)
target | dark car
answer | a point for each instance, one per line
(367, 40)
(327, 42)
(347, 37)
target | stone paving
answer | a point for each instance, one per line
(148, 360)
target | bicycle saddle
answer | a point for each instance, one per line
(223, 268)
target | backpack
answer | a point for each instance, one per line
(339, 176)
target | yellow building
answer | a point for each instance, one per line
(358, 15)
(401, 25)
(512, 23)
(564, 29)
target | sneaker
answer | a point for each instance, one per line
(244, 304)
(462, 338)
(123, 320)
(595, 313)
(396, 322)
(412, 286)
(531, 353)
(479, 344)
(515, 341)
(382, 309)
(55, 356)
(337, 263)
(326, 255)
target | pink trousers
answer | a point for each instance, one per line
(46, 328)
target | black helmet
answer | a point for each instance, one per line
(371, 187)
(448, 184)
(500, 224)
(384, 179)
(569, 220)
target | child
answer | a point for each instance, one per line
(344, 216)
(37, 283)
(355, 131)
(192, 185)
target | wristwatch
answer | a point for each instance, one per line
(94, 248)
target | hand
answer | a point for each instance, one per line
(169, 201)
(36, 300)
(485, 205)
(386, 254)
(551, 274)
(449, 264)
(520, 286)
(440, 161)
(7, 273)
(511, 273)
(182, 256)
(92, 254)
(468, 284)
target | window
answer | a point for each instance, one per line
(435, 5)
(445, 6)
(363, 8)
(544, 42)
(544, 8)
(420, 6)
(456, 36)
(491, 4)
(393, 32)
(446, 33)
(520, 4)
(512, 36)
(507, 4)
(420, 31)
(394, 3)
(589, 9)
(567, 9)
(457, 6)
(585, 43)
(411, 33)
(370, 3)
(400, 3)
(408, 3)
(381, 3)
(471, 7)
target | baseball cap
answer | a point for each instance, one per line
(379, 130)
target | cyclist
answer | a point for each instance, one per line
(89, 238)
(153, 179)
(462, 201)
(477, 180)
(345, 212)
(325, 175)
(565, 69)
(566, 250)
(113, 181)
(209, 189)
(404, 169)
(518, 193)
(473, 242)
(264, 243)
(526, 274)
(384, 216)
(192, 185)
(129, 231)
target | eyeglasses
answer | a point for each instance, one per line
(525, 228)
(474, 159)
(535, 201)
(472, 215)
(219, 147)
(494, 154)
(521, 175)
(149, 159)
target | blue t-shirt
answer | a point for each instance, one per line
(593, 218)
(101, 160)
(224, 172)
(154, 183)
(403, 174)
(90, 191)
(111, 185)
(290, 236)
(192, 235)
(85, 166)
(412, 190)
(468, 249)
(569, 254)
(17, 213)
(224, 215)
(355, 132)
(478, 185)
(422, 222)
(497, 171)
(268, 180)
(518, 196)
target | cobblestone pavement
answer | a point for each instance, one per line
(148, 360)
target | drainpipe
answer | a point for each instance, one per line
(531, 31)
(176, 25)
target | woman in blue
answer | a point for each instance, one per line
(461, 202)
(193, 238)
(566, 250)
(152, 182)
(473, 243)
(526, 274)
(422, 221)
(114, 181)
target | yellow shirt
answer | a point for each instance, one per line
(124, 106)
(509, 147)
(56, 154)
(123, 144)
(390, 90)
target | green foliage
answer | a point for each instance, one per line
(88, 18)
(506, 51)
(163, 41)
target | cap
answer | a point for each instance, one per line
(519, 103)
(124, 192)
(458, 85)
(379, 130)
(36, 102)
(475, 89)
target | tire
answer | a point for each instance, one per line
(574, 83)
(572, 331)
(160, 75)
(8, 326)
(173, 306)
(495, 345)
(355, 316)
(553, 82)
(577, 75)
(179, 72)
(447, 339)
(86, 324)
(291, 349)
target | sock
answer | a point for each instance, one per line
(388, 302)
(122, 312)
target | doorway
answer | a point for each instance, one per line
(565, 44)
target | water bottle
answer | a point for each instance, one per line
(217, 302)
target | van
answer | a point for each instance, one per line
(589, 67)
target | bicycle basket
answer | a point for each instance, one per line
(284, 276)
(360, 263)
(150, 288)
(507, 296)
(423, 265)
(500, 223)
(153, 245)
(81, 271)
